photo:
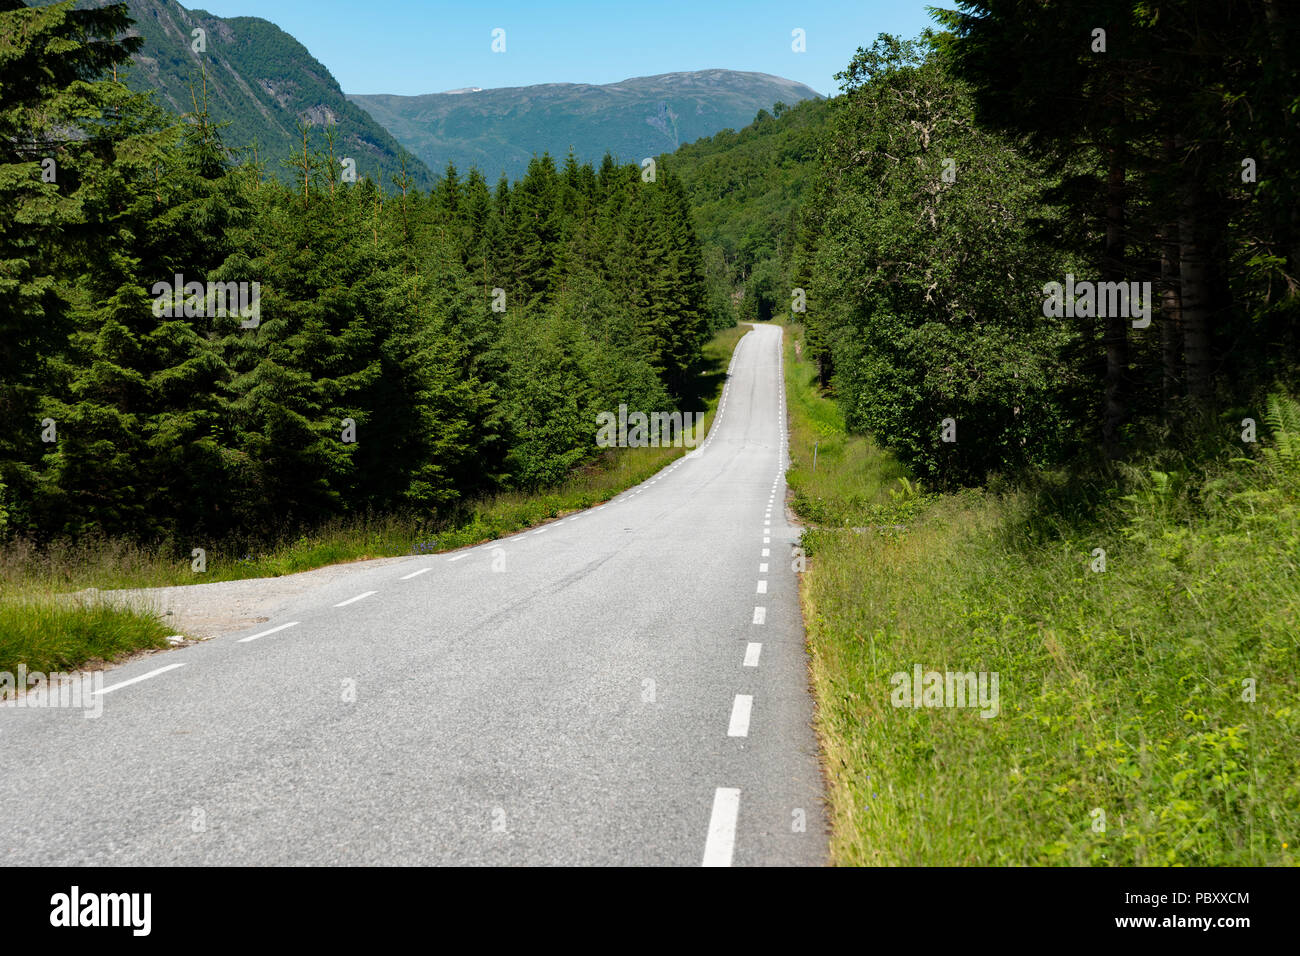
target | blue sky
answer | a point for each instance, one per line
(410, 47)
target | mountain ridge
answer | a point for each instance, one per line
(261, 81)
(499, 129)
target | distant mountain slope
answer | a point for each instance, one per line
(744, 185)
(745, 189)
(499, 130)
(260, 80)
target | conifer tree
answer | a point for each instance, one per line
(53, 56)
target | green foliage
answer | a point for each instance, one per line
(49, 61)
(63, 633)
(837, 480)
(1161, 692)
(377, 376)
(1176, 143)
(1283, 418)
(33, 567)
(926, 301)
(745, 190)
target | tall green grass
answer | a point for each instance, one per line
(835, 479)
(50, 635)
(1150, 712)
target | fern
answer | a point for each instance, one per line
(1283, 418)
(908, 492)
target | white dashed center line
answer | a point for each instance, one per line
(253, 637)
(740, 709)
(135, 680)
(760, 615)
(354, 599)
(721, 842)
(416, 574)
(751, 654)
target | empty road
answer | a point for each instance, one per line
(627, 685)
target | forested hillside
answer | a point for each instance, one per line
(746, 190)
(499, 130)
(259, 81)
(400, 348)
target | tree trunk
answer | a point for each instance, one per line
(1171, 306)
(1171, 318)
(1290, 229)
(1115, 335)
(1194, 276)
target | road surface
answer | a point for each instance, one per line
(624, 686)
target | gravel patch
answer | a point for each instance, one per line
(203, 611)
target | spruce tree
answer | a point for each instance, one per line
(53, 56)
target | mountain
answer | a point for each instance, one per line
(262, 82)
(745, 185)
(499, 130)
(745, 188)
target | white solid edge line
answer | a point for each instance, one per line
(760, 615)
(751, 653)
(740, 711)
(416, 574)
(721, 841)
(135, 680)
(253, 637)
(354, 599)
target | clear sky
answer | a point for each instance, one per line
(410, 47)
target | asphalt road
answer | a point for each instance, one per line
(625, 686)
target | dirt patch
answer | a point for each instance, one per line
(202, 611)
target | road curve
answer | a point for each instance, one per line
(589, 692)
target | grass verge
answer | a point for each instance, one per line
(49, 635)
(1149, 713)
